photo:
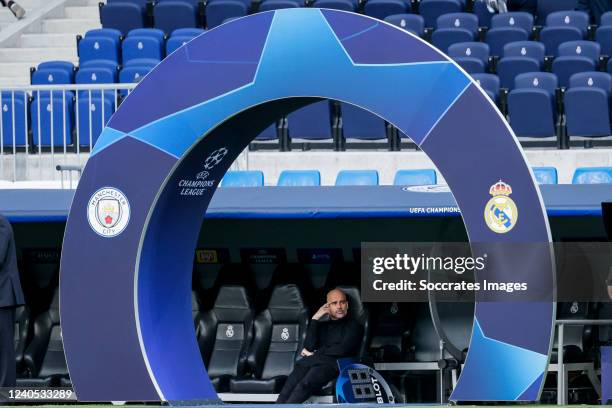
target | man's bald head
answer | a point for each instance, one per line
(338, 305)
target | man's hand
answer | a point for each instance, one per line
(323, 310)
(306, 353)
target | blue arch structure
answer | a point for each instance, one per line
(135, 219)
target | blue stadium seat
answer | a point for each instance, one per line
(220, 10)
(531, 49)
(311, 122)
(472, 56)
(432, 9)
(592, 175)
(156, 33)
(172, 14)
(111, 33)
(587, 104)
(93, 114)
(467, 21)
(603, 36)
(360, 124)
(346, 5)
(13, 106)
(419, 177)
(176, 42)
(442, 38)
(497, 38)
(569, 18)
(56, 112)
(482, 12)
(254, 178)
(141, 3)
(552, 37)
(66, 66)
(382, 8)
(122, 16)
(52, 76)
(187, 32)
(519, 57)
(531, 105)
(518, 19)
(134, 74)
(138, 48)
(96, 75)
(606, 19)
(357, 178)
(575, 57)
(490, 84)
(97, 49)
(409, 22)
(268, 134)
(545, 175)
(269, 5)
(299, 178)
(546, 7)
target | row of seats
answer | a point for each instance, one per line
(303, 178)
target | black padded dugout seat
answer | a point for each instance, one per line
(577, 339)
(227, 331)
(359, 312)
(22, 328)
(390, 333)
(44, 358)
(280, 331)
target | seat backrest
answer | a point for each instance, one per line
(357, 178)
(98, 48)
(531, 49)
(91, 75)
(311, 122)
(470, 49)
(409, 22)
(187, 32)
(299, 178)
(601, 80)
(578, 19)
(606, 19)
(133, 74)
(488, 82)
(138, 47)
(66, 66)
(588, 49)
(359, 123)
(228, 330)
(518, 19)
(545, 175)
(545, 7)
(278, 4)
(592, 175)
(243, 179)
(51, 76)
(417, 177)
(280, 331)
(540, 80)
(111, 33)
(147, 32)
(467, 21)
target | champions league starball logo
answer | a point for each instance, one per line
(500, 212)
(108, 212)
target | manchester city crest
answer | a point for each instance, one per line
(500, 212)
(108, 212)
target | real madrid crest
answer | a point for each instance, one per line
(500, 212)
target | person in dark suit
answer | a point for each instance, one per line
(11, 296)
(327, 340)
(595, 8)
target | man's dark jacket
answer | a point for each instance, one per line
(10, 289)
(595, 8)
(333, 339)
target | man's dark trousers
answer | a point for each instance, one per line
(7, 347)
(307, 378)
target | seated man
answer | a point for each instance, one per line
(326, 341)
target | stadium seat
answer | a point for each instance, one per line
(134, 74)
(226, 336)
(122, 16)
(346, 5)
(299, 178)
(51, 76)
(280, 331)
(592, 175)
(519, 57)
(409, 22)
(443, 38)
(357, 178)
(420, 177)
(172, 14)
(432, 9)
(490, 84)
(138, 48)
(390, 332)
(516, 19)
(93, 114)
(466, 21)
(176, 42)
(530, 49)
(141, 3)
(552, 37)
(603, 36)
(575, 57)
(243, 179)
(360, 124)
(14, 118)
(56, 120)
(382, 8)
(156, 33)
(93, 49)
(569, 18)
(545, 175)
(187, 32)
(587, 104)
(546, 7)
(220, 10)
(313, 122)
(482, 12)
(96, 75)
(497, 38)
(111, 33)
(606, 19)
(66, 66)
(269, 5)
(472, 56)
(531, 105)
(44, 357)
